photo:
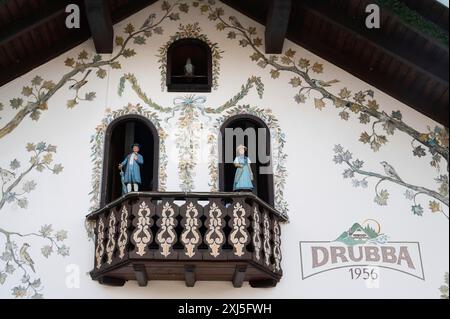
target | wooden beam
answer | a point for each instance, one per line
(111, 281)
(100, 23)
(277, 25)
(51, 10)
(239, 276)
(141, 274)
(189, 275)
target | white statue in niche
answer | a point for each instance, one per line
(189, 68)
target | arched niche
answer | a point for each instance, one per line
(120, 135)
(263, 183)
(201, 57)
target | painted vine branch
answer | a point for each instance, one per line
(315, 85)
(419, 189)
(41, 100)
(22, 260)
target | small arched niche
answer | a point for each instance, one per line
(179, 76)
(119, 139)
(261, 165)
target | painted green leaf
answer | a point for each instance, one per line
(184, 7)
(101, 73)
(71, 103)
(90, 96)
(417, 210)
(129, 28)
(16, 103)
(382, 198)
(27, 91)
(365, 138)
(127, 53)
(319, 104)
(119, 41)
(295, 82)
(69, 62)
(96, 58)
(48, 85)
(275, 74)
(317, 68)
(83, 55)
(37, 80)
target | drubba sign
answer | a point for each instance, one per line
(364, 250)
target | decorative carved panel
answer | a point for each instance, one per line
(239, 237)
(100, 247)
(267, 245)
(167, 237)
(123, 238)
(277, 246)
(215, 236)
(142, 236)
(111, 243)
(257, 232)
(191, 237)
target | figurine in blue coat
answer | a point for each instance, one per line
(132, 163)
(243, 178)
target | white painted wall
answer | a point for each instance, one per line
(322, 204)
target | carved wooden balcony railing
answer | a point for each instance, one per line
(188, 236)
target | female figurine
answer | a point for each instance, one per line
(132, 162)
(244, 176)
(189, 68)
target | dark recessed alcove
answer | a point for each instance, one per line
(263, 183)
(120, 136)
(177, 56)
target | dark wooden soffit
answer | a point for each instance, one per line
(397, 59)
(100, 24)
(277, 24)
(33, 32)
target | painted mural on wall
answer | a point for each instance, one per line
(308, 85)
(191, 31)
(444, 288)
(194, 116)
(308, 80)
(17, 267)
(35, 97)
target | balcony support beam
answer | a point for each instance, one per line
(189, 275)
(239, 276)
(111, 281)
(141, 274)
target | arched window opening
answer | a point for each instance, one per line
(189, 66)
(119, 140)
(260, 165)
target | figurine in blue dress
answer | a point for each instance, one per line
(131, 178)
(243, 178)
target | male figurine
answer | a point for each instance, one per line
(132, 162)
(243, 177)
(189, 68)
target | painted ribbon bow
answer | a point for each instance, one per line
(189, 101)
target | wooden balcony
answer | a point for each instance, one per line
(233, 237)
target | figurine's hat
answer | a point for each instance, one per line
(241, 147)
(136, 144)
